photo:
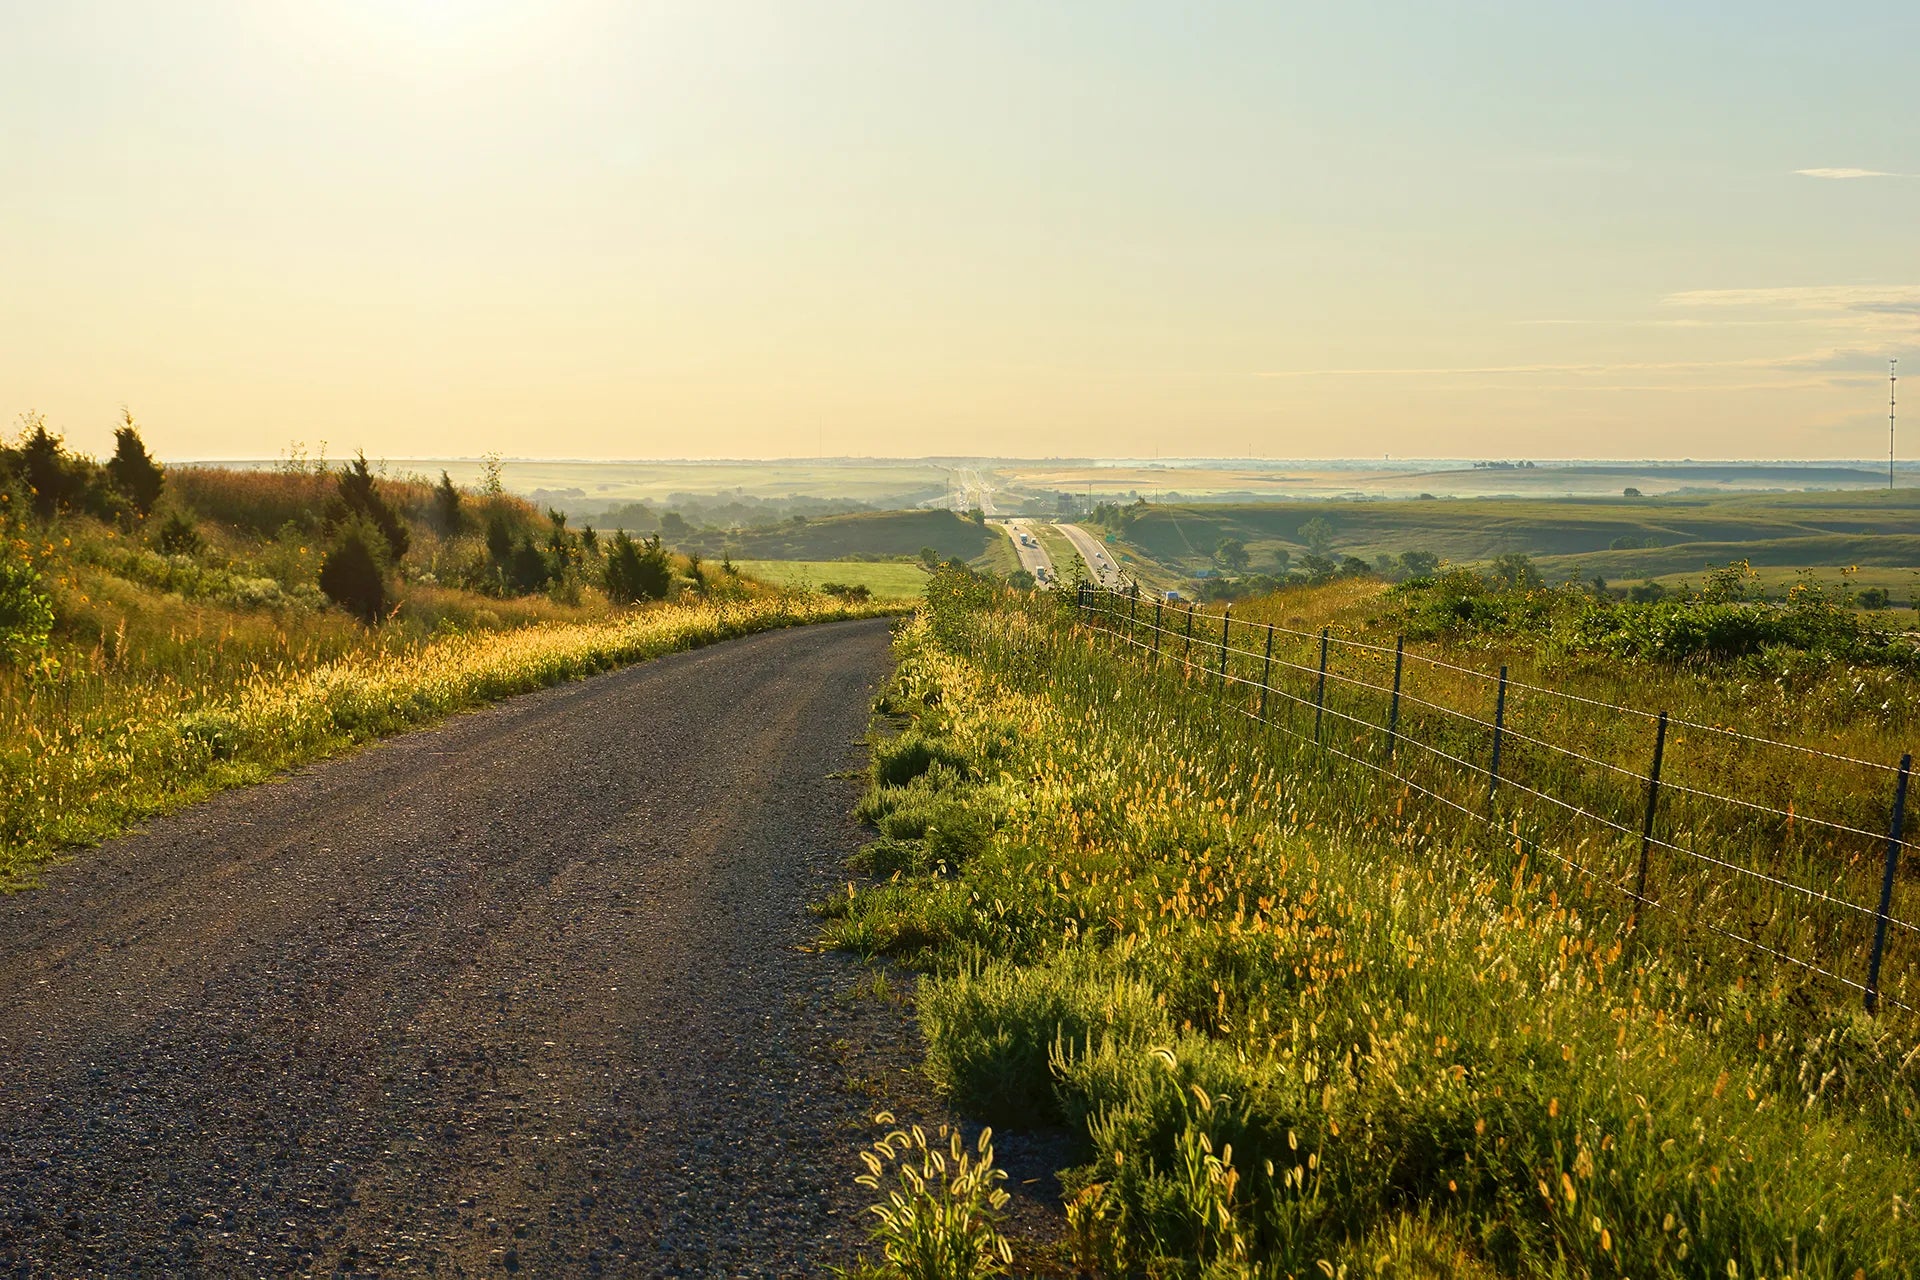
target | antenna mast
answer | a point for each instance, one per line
(1892, 368)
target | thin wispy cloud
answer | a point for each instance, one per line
(1843, 175)
(1860, 325)
(1531, 370)
(1859, 312)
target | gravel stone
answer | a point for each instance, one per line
(526, 993)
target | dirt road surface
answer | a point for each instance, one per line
(523, 993)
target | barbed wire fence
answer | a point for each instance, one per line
(1815, 879)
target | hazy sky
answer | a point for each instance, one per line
(760, 229)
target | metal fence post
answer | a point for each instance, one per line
(1393, 709)
(1499, 730)
(1157, 605)
(1133, 628)
(1646, 828)
(1894, 834)
(1186, 645)
(1226, 620)
(1266, 672)
(1320, 690)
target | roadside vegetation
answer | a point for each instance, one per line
(1299, 1022)
(168, 631)
(881, 579)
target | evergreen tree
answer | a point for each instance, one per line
(360, 497)
(447, 515)
(132, 469)
(353, 573)
(637, 570)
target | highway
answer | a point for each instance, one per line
(1100, 563)
(1034, 559)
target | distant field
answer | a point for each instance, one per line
(877, 481)
(887, 579)
(1873, 527)
(1277, 481)
(1902, 584)
(877, 535)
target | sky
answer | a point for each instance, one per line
(579, 228)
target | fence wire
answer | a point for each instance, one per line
(1210, 651)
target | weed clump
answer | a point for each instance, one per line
(992, 1031)
(902, 759)
(940, 1204)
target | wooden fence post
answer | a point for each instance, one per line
(1646, 827)
(1393, 709)
(1894, 834)
(1226, 620)
(1499, 729)
(1266, 672)
(1320, 690)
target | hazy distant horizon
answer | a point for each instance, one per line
(1257, 463)
(753, 229)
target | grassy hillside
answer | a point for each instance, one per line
(886, 579)
(149, 656)
(879, 535)
(1301, 1022)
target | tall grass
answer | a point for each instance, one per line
(99, 749)
(1781, 845)
(1302, 1026)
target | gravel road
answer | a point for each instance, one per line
(523, 993)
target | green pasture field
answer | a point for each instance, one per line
(887, 579)
(1257, 480)
(1866, 527)
(875, 535)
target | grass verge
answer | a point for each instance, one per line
(83, 773)
(1302, 1027)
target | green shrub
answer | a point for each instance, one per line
(26, 610)
(179, 536)
(354, 572)
(636, 571)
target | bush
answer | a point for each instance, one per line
(637, 571)
(354, 572)
(55, 481)
(26, 610)
(179, 536)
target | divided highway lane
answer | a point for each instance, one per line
(1034, 559)
(1100, 562)
(525, 993)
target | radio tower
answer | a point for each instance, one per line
(1893, 367)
